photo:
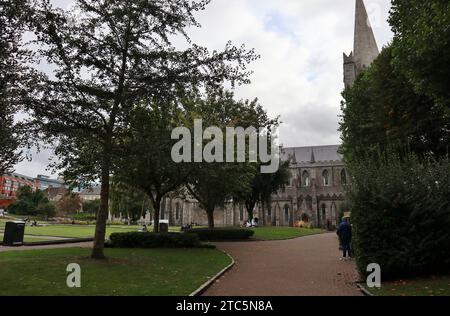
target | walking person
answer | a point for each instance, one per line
(345, 236)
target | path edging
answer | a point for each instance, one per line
(364, 290)
(58, 242)
(211, 281)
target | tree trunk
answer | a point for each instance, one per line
(156, 215)
(102, 216)
(210, 214)
(263, 213)
(250, 206)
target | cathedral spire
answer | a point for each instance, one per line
(365, 48)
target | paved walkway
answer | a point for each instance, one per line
(22, 248)
(307, 266)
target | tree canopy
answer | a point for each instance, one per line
(383, 109)
(108, 57)
(422, 35)
(12, 76)
(215, 183)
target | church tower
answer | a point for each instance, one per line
(365, 48)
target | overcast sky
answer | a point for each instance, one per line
(299, 75)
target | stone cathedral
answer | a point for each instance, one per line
(316, 190)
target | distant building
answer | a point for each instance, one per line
(10, 185)
(55, 194)
(315, 193)
(90, 194)
(46, 182)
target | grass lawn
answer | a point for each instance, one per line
(279, 233)
(432, 286)
(84, 231)
(76, 231)
(126, 272)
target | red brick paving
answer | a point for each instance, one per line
(307, 266)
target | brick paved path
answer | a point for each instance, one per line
(307, 266)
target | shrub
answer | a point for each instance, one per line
(88, 217)
(401, 215)
(153, 240)
(219, 234)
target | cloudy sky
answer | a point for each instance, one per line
(299, 75)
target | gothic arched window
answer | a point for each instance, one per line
(286, 212)
(177, 210)
(343, 176)
(326, 178)
(305, 179)
(324, 211)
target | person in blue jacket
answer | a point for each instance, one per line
(345, 235)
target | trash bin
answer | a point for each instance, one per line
(14, 232)
(163, 227)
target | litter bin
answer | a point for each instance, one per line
(14, 232)
(163, 228)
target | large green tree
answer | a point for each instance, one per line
(421, 30)
(382, 109)
(109, 55)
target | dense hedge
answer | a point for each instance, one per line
(401, 215)
(219, 234)
(153, 240)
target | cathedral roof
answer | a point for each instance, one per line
(312, 154)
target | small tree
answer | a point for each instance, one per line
(32, 203)
(91, 206)
(215, 183)
(147, 160)
(126, 199)
(264, 185)
(70, 203)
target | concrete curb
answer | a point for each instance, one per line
(211, 281)
(364, 290)
(58, 242)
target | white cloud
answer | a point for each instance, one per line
(299, 75)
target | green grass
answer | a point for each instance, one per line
(431, 286)
(85, 231)
(78, 231)
(126, 272)
(279, 233)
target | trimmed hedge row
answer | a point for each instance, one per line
(222, 234)
(153, 240)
